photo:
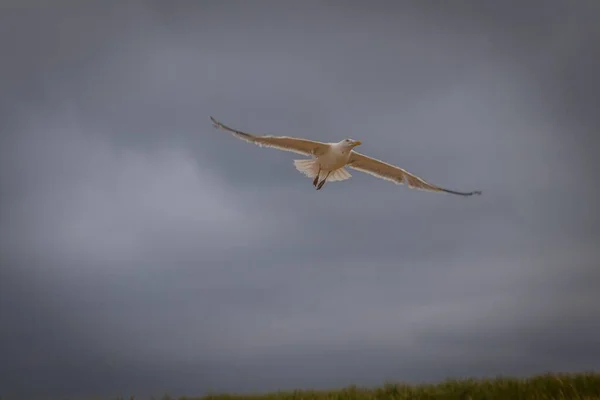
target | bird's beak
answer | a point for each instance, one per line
(357, 143)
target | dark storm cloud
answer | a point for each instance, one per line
(143, 251)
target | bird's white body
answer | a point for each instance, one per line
(329, 160)
(336, 156)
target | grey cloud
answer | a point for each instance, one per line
(143, 251)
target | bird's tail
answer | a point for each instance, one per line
(340, 174)
(308, 167)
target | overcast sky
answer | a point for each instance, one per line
(143, 252)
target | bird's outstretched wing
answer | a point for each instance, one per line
(295, 145)
(389, 172)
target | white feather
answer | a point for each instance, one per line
(308, 167)
(340, 174)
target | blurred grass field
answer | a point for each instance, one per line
(547, 386)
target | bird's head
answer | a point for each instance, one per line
(350, 143)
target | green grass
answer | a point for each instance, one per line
(548, 386)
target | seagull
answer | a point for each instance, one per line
(328, 160)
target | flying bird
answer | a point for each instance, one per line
(328, 160)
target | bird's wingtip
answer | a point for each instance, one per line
(475, 192)
(214, 121)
